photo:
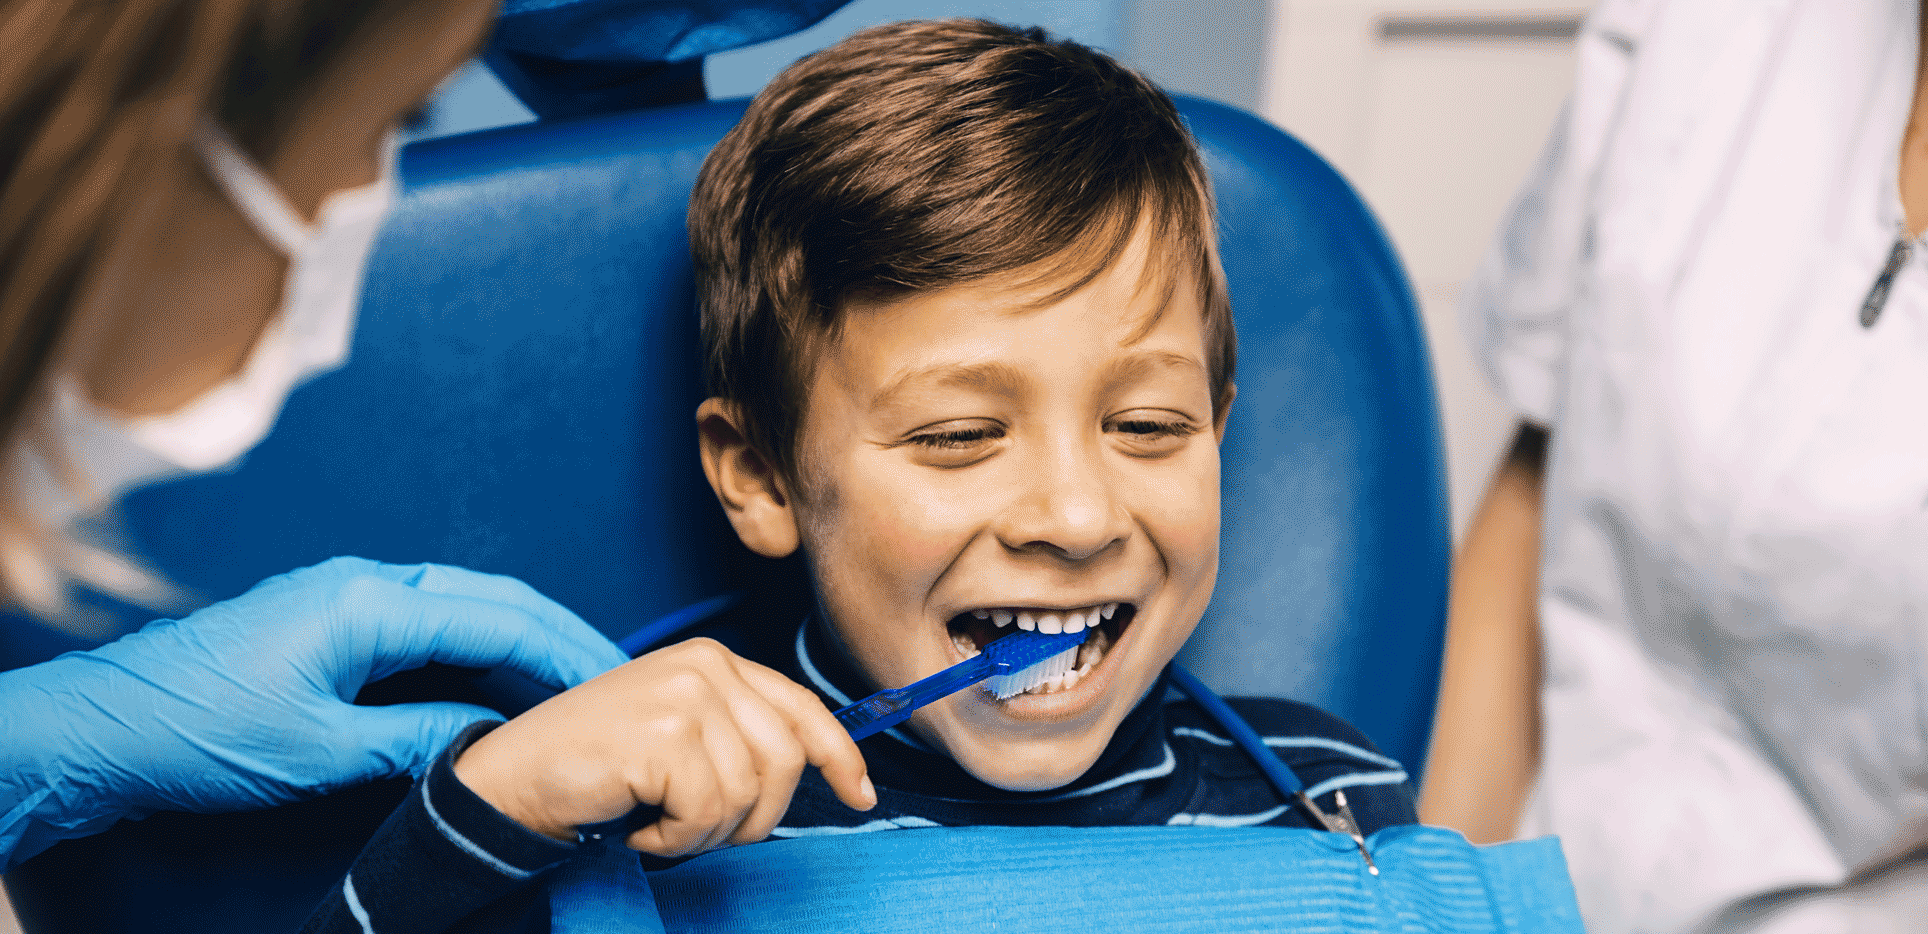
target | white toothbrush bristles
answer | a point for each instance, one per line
(1018, 682)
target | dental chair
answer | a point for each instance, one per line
(520, 401)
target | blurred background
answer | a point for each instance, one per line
(1434, 109)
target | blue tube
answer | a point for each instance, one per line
(1274, 767)
(674, 622)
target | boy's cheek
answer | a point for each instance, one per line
(1181, 508)
(871, 505)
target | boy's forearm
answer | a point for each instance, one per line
(1486, 737)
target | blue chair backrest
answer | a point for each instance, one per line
(520, 401)
(1335, 545)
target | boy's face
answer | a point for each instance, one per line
(969, 451)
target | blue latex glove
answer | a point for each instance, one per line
(246, 704)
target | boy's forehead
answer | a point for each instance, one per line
(1143, 276)
(984, 340)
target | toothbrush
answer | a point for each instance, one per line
(1014, 664)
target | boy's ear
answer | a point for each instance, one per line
(1221, 411)
(746, 483)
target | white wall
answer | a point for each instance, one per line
(1434, 109)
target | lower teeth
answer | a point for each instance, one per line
(1093, 650)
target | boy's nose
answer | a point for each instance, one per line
(1068, 510)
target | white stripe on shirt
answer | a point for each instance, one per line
(1297, 742)
(1248, 820)
(468, 846)
(905, 822)
(1225, 820)
(1392, 777)
(1160, 770)
(354, 904)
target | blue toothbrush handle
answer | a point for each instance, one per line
(875, 714)
(885, 709)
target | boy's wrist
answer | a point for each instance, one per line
(457, 787)
(497, 787)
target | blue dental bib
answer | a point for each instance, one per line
(1079, 879)
(1068, 879)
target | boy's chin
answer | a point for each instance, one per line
(1043, 767)
(1027, 779)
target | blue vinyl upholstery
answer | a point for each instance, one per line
(520, 401)
(1335, 545)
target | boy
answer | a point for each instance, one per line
(970, 353)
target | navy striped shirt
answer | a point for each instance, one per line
(447, 861)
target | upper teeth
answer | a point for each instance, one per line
(1050, 621)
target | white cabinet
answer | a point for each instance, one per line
(1435, 112)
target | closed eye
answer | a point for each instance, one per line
(957, 443)
(957, 439)
(1147, 437)
(1144, 428)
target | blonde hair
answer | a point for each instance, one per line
(97, 99)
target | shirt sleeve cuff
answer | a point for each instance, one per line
(475, 826)
(444, 854)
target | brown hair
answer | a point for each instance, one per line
(921, 155)
(96, 97)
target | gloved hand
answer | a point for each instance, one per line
(246, 704)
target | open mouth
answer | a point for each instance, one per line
(971, 631)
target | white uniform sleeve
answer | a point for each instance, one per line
(1517, 307)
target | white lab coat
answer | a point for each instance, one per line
(1734, 591)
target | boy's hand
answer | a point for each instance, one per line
(717, 741)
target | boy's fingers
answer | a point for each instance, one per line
(736, 779)
(825, 744)
(779, 759)
(691, 808)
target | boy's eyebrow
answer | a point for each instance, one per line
(991, 376)
(1144, 363)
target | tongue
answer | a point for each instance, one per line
(981, 632)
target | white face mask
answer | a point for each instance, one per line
(308, 335)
